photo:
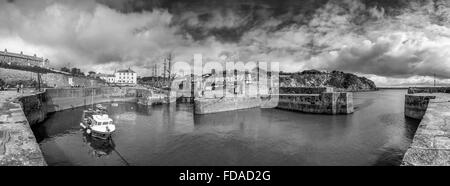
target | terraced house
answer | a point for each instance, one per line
(21, 59)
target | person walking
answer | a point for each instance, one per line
(21, 88)
(18, 87)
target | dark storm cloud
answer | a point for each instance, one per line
(388, 38)
(229, 20)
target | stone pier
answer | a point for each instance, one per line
(324, 103)
(318, 100)
(18, 146)
(214, 105)
(431, 143)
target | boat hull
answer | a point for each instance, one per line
(101, 135)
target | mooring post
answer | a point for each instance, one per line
(257, 79)
(245, 84)
(192, 87)
(39, 81)
(269, 82)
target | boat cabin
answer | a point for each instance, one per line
(101, 120)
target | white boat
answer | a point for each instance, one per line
(98, 124)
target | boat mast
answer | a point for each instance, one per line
(92, 98)
(434, 79)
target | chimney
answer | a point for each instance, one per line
(21, 53)
(6, 50)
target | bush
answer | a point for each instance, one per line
(24, 68)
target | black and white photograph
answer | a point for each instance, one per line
(224, 83)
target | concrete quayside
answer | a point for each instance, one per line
(431, 143)
(18, 146)
(318, 100)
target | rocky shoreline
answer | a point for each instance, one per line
(340, 81)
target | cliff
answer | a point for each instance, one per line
(29, 78)
(339, 80)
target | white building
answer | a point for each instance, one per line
(111, 79)
(125, 77)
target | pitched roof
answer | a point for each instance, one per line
(105, 75)
(126, 71)
(21, 55)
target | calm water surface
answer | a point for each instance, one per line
(376, 134)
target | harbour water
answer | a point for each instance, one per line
(377, 133)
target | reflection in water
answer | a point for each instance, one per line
(376, 134)
(99, 147)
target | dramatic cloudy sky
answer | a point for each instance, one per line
(390, 41)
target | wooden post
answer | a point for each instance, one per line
(235, 82)
(224, 76)
(257, 79)
(192, 87)
(165, 68)
(39, 81)
(434, 77)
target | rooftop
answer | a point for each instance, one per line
(105, 75)
(126, 71)
(21, 55)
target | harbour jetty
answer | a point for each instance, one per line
(318, 100)
(223, 104)
(18, 146)
(431, 143)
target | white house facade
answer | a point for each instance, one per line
(125, 77)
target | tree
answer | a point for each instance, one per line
(76, 71)
(2, 83)
(91, 73)
(65, 69)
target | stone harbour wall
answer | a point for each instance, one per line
(305, 90)
(12, 75)
(61, 99)
(344, 103)
(431, 142)
(325, 103)
(61, 80)
(416, 105)
(320, 100)
(211, 105)
(34, 107)
(18, 146)
(415, 90)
